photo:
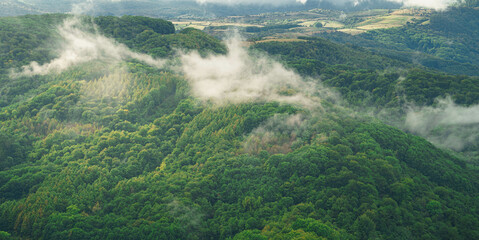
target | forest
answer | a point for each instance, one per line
(116, 148)
(446, 42)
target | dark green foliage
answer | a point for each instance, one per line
(20, 35)
(367, 79)
(270, 28)
(448, 42)
(329, 53)
(424, 87)
(155, 36)
(13, 149)
(164, 45)
(127, 27)
(366, 87)
(460, 20)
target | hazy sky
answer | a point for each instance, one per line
(438, 4)
(273, 2)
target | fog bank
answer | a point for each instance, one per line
(79, 46)
(446, 124)
(240, 76)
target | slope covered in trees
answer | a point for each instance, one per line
(130, 154)
(367, 78)
(446, 42)
(391, 89)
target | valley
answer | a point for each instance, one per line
(310, 23)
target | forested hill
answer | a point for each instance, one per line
(447, 41)
(128, 153)
(368, 78)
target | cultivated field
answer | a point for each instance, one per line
(307, 22)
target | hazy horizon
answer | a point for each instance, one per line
(202, 8)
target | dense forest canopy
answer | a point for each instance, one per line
(122, 149)
(447, 41)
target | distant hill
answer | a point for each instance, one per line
(16, 8)
(170, 8)
(446, 42)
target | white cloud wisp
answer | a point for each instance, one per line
(434, 4)
(252, 2)
(79, 46)
(239, 77)
(447, 124)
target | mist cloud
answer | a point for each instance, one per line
(80, 46)
(435, 4)
(278, 134)
(256, 2)
(446, 124)
(236, 77)
(242, 77)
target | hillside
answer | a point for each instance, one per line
(370, 78)
(15, 8)
(446, 40)
(171, 9)
(120, 145)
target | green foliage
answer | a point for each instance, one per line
(164, 45)
(367, 79)
(328, 53)
(249, 234)
(20, 35)
(271, 28)
(5, 235)
(127, 27)
(155, 36)
(447, 42)
(130, 155)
